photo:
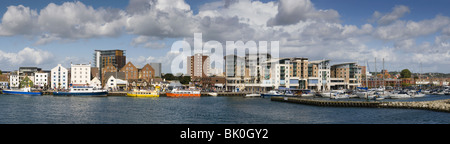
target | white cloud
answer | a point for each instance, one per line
(75, 20)
(397, 12)
(162, 19)
(26, 56)
(293, 11)
(400, 30)
(18, 20)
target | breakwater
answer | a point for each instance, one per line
(437, 105)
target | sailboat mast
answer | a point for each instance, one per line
(376, 77)
(383, 76)
(367, 83)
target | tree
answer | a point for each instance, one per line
(169, 76)
(185, 79)
(26, 82)
(405, 73)
(1, 72)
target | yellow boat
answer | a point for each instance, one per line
(143, 94)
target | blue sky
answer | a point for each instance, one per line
(403, 32)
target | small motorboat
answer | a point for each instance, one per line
(252, 95)
(272, 93)
(212, 94)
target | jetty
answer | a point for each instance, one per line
(437, 105)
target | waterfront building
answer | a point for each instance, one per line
(109, 68)
(345, 76)
(4, 84)
(375, 82)
(14, 80)
(28, 72)
(96, 83)
(251, 72)
(116, 81)
(157, 68)
(319, 75)
(293, 73)
(4, 80)
(41, 80)
(131, 72)
(198, 65)
(95, 73)
(103, 58)
(147, 72)
(59, 77)
(139, 84)
(80, 74)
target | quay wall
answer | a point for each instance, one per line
(438, 105)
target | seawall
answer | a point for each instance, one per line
(437, 105)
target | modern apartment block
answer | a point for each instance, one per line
(249, 72)
(80, 74)
(319, 75)
(103, 58)
(59, 77)
(198, 65)
(345, 76)
(290, 73)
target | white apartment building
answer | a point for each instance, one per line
(59, 77)
(80, 74)
(40, 79)
(14, 80)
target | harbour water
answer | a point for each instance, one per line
(17, 109)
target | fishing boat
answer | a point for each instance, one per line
(82, 91)
(143, 93)
(23, 91)
(183, 93)
(272, 93)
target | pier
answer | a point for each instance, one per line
(437, 105)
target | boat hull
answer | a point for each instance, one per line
(399, 96)
(11, 92)
(252, 95)
(271, 95)
(182, 95)
(80, 93)
(142, 95)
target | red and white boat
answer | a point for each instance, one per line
(183, 93)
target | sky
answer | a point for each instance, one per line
(406, 34)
